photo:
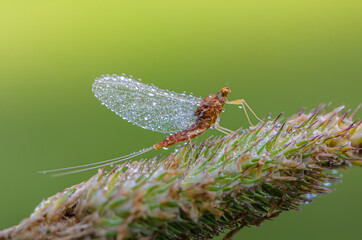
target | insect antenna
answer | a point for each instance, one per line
(96, 164)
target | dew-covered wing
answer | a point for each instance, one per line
(146, 106)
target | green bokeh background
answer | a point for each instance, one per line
(278, 55)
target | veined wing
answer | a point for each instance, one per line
(146, 105)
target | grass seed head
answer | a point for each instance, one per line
(203, 190)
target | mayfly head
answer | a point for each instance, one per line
(225, 91)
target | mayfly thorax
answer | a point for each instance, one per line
(184, 116)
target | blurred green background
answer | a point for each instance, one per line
(278, 55)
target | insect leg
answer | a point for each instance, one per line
(243, 103)
(190, 144)
(225, 129)
(221, 130)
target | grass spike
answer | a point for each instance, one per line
(203, 190)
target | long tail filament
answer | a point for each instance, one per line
(86, 167)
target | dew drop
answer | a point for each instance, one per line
(165, 148)
(151, 94)
(240, 106)
(327, 184)
(146, 118)
(310, 196)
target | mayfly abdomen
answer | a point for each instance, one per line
(185, 135)
(146, 105)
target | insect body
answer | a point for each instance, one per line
(184, 116)
(207, 115)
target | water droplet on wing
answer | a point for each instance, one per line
(146, 106)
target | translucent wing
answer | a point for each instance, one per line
(146, 106)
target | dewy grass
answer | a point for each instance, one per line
(202, 190)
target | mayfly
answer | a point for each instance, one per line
(184, 116)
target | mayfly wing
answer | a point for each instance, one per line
(146, 105)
